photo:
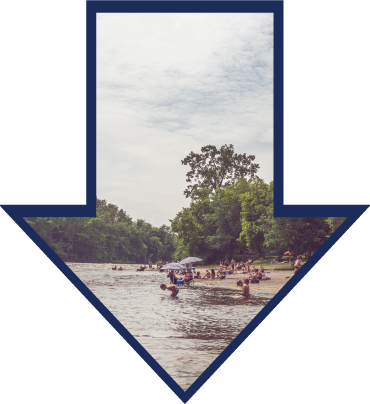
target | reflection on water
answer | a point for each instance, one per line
(185, 334)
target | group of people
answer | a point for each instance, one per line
(245, 294)
(254, 275)
(188, 275)
(234, 266)
(298, 262)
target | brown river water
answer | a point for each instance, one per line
(184, 334)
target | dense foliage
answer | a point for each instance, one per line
(111, 236)
(237, 218)
(228, 216)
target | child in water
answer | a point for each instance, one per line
(173, 288)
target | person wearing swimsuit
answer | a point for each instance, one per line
(173, 288)
(245, 290)
(297, 264)
(188, 276)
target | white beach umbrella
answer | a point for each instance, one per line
(173, 266)
(190, 259)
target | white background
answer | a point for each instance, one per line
(55, 347)
(42, 99)
(326, 109)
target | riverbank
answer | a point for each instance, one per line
(279, 278)
(279, 275)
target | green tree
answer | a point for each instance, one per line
(335, 222)
(213, 168)
(225, 221)
(296, 234)
(254, 204)
(191, 229)
(111, 236)
(210, 227)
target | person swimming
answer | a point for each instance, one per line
(173, 288)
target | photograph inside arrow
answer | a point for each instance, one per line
(184, 170)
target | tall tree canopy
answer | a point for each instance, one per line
(221, 224)
(213, 168)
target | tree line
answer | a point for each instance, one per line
(239, 217)
(111, 236)
(231, 211)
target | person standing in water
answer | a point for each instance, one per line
(173, 288)
(173, 277)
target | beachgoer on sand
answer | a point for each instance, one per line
(188, 277)
(172, 288)
(207, 275)
(254, 276)
(297, 264)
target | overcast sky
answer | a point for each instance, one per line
(168, 84)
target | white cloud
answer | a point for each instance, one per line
(171, 83)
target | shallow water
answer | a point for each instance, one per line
(185, 334)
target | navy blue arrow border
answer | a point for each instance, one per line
(17, 212)
(353, 213)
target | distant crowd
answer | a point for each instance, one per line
(254, 275)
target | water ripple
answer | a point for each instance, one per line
(186, 334)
